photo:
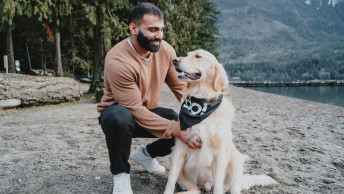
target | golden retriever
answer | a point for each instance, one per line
(217, 164)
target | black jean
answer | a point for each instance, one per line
(119, 127)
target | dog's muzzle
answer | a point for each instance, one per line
(183, 74)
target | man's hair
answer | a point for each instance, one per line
(137, 12)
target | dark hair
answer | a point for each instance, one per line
(137, 12)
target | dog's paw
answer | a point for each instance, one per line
(181, 186)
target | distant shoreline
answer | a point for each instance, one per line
(328, 94)
(287, 84)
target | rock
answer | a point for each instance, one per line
(38, 90)
(10, 103)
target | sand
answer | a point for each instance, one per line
(61, 148)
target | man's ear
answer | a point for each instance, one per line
(132, 28)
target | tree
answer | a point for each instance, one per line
(182, 23)
(51, 12)
(8, 10)
(105, 21)
(207, 33)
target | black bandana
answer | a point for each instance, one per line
(195, 110)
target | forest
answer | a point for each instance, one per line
(323, 64)
(71, 37)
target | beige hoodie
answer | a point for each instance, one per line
(136, 84)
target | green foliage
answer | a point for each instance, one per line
(181, 24)
(325, 64)
(84, 25)
(98, 82)
(80, 65)
(190, 25)
(208, 32)
(48, 10)
(9, 9)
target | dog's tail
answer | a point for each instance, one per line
(249, 181)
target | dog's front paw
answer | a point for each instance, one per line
(169, 191)
(181, 186)
(221, 191)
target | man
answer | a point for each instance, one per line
(135, 70)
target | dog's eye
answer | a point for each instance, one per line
(198, 56)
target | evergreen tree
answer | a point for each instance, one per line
(8, 11)
(104, 24)
(207, 33)
(51, 12)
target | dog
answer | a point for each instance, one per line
(217, 164)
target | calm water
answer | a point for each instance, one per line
(324, 94)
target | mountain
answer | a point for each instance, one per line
(283, 33)
(319, 3)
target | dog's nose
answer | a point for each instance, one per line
(176, 61)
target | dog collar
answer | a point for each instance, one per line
(195, 110)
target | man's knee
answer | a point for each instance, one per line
(117, 118)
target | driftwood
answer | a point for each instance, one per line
(38, 90)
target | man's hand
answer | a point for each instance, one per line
(191, 140)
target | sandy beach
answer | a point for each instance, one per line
(61, 148)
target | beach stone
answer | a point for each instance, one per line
(38, 90)
(10, 103)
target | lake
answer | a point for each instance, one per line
(325, 94)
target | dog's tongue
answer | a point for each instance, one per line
(181, 74)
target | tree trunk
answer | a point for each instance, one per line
(58, 61)
(10, 54)
(100, 50)
(73, 52)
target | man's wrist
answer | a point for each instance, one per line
(175, 129)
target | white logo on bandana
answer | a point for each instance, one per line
(195, 108)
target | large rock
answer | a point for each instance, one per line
(38, 90)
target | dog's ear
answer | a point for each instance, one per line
(220, 78)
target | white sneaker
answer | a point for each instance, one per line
(121, 184)
(149, 163)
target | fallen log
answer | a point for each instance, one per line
(38, 90)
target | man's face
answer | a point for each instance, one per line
(150, 32)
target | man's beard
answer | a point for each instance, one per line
(147, 43)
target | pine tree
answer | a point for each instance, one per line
(106, 24)
(8, 11)
(52, 11)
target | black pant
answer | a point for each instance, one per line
(119, 127)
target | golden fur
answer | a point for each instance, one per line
(217, 164)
